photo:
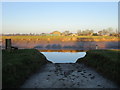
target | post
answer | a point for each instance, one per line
(96, 47)
(8, 44)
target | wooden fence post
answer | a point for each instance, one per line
(8, 44)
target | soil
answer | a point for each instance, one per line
(67, 75)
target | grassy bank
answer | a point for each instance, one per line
(104, 61)
(18, 65)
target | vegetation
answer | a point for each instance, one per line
(85, 32)
(17, 65)
(57, 37)
(88, 32)
(104, 61)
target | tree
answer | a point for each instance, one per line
(100, 33)
(87, 32)
(66, 33)
(110, 30)
(95, 34)
(79, 32)
(107, 31)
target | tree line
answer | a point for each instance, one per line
(87, 32)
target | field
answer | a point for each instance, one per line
(18, 65)
(104, 61)
(67, 38)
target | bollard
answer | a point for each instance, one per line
(96, 47)
(8, 44)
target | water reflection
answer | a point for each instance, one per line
(63, 51)
(63, 56)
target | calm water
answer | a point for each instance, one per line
(64, 57)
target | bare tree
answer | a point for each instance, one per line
(79, 32)
(66, 33)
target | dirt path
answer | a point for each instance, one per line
(67, 76)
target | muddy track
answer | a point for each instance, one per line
(67, 76)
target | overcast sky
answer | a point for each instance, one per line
(38, 17)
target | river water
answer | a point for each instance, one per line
(63, 57)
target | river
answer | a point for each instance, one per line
(63, 57)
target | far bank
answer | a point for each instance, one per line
(64, 42)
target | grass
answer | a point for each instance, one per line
(104, 61)
(18, 65)
(57, 37)
(48, 39)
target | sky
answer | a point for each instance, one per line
(46, 17)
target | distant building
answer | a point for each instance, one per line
(56, 33)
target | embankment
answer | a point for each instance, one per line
(18, 65)
(61, 38)
(104, 61)
(63, 42)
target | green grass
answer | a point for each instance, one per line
(18, 65)
(104, 61)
